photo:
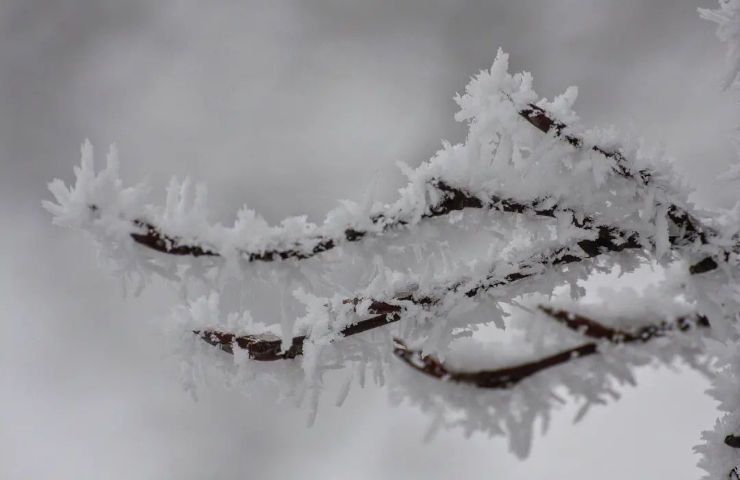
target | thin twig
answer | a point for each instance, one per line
(592, 329)
(452, 199)
(509, 376)
(262, 347)
(691, 228)
(268, 347)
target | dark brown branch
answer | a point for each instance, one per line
(732, 441)
(153, 237)
(608, 240)
(691, 229)
(263, 347)
(268, 347)
(592, 329)
(452, 199)
(499, 378)
(542, 120)
(509, 376)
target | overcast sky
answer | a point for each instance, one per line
(289, 106)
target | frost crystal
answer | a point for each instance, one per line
(467, 294)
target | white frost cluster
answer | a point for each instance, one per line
(570, 185)
(719, 295)
(502, 157)
(595, 380)
(717, 458)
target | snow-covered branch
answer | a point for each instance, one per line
(554, 203)
(442, 199)
(448, 199)
(690, 229)
(508, 377)
(268, 347)
(384, 312)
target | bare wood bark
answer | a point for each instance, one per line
(499, 378)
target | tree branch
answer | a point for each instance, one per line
(507, 377)
(268, 347)
(499, 378)
(691, 228)
(592, 329)
(452, 199)
(542, 120)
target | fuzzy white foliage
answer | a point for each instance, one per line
(502, 156)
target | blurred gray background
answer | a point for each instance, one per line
(289, 106)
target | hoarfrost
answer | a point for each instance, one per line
(533, 205)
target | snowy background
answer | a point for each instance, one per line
(289, 106)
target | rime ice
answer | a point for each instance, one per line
(483, 235)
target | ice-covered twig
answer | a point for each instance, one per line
(539, 118)
(151, 236)
(510, 376)
(691, 228)
(447, 199)
(503, 165)
(607, 240)
(599, 193)
(268, 347)
(451, 199)
(495, 379)
(593, 329)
